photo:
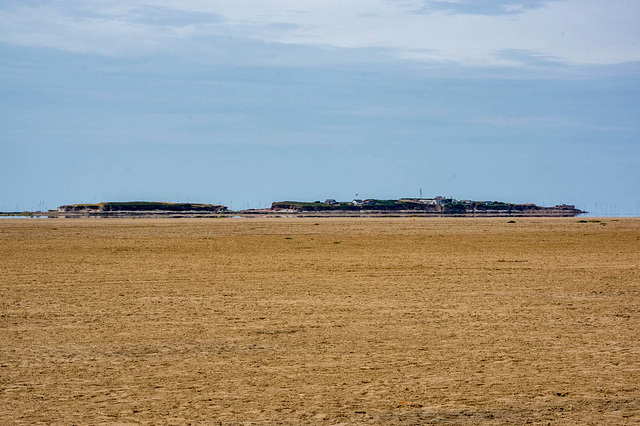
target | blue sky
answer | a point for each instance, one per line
(247, 102)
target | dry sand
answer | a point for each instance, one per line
(323, 321)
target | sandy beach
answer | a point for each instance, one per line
(320, 321)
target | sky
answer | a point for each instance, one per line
(247, 102)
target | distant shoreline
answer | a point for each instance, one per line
(266, 214)
(403, 207)
(285, 215)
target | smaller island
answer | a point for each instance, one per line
(140, 208)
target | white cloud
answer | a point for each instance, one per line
(49, 27)
(570, 32)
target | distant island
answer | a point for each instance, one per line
(142, 206)
(438, 206)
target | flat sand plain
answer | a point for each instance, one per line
(322, 321)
